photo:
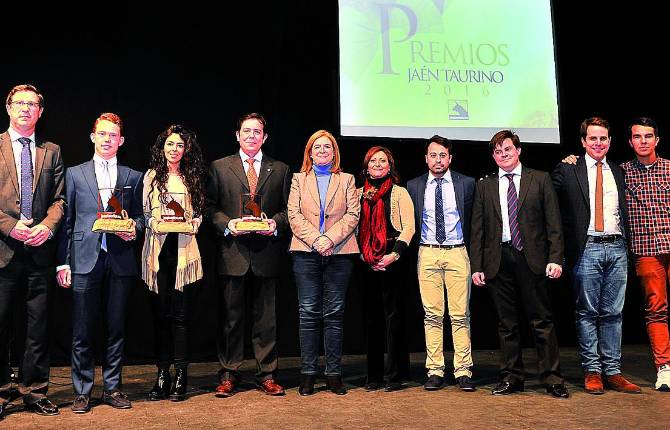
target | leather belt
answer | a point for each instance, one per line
(429, 245)
(608, 238)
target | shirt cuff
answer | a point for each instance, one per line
(61, 267)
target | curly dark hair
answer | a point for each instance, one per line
(192, 166)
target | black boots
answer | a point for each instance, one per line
(307, 385)
(161, 389)
(180, 386)
(334, 384)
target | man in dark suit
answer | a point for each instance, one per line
(442, 205)
(99, 266)
(592, 196)
(248, 257)
(31, 209)
(516, 244)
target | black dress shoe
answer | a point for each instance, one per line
(306, 387)
(433, 383)
(465, 383)
(335, 385)
(2, 411)
(180, 386)
(43, 407)
(116, 399)
(161, 389)
(558, 390)
(81, 404)
(506, 387)
(393, 386)
(374, 386)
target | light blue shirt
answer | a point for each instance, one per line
(17, 147)
(503, 184)
(452, 220)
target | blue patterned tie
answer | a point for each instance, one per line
(440, 233)
(26, 179)
(513, 212)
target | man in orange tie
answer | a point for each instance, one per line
(595, 224)
(248, 260)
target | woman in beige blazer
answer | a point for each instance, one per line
(323, 214)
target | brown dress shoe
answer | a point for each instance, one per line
(593, 383)
(225, 389)
(271, 388)
(619, 383)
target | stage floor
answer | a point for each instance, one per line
(410, 408)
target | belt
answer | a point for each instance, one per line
(507, 244)
(608, 238)
(428, 245)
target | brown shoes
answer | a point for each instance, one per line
(619, 383)
(271, 388)
(225, 389)
(593, 383)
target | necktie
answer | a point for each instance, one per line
(252, 177)
(440, 234)
(26, 178)
(105, 195)
(600, 220)
(513, 212)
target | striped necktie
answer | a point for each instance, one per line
(513, 212)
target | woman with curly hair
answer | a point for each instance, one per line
(171, 259)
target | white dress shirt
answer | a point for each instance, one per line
(452, 219)
(610, 198)
(105, 184)
(257, 164)
(503, 184)
(17, 147)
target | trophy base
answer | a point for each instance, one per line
(174, 227)
(253, 224)
(110, 225)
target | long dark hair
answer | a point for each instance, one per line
(191, 167)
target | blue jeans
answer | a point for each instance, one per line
(322, 288)
(600, 288)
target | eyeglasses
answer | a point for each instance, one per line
(21, 104)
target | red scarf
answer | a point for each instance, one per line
(372, 236)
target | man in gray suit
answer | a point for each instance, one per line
(516, 244)
(31, 209)
(252, 258)
(99, 265)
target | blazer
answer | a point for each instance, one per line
(226, 182)
(572, 186)
(80, 246)
(48, 206)
(464, 189)
(340, 215)
(539, 224)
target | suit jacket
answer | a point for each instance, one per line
(226, 182)
(572, 186)
(539, 224)
(47, 198)
(464, 189)
(79, 245)
(340, 215)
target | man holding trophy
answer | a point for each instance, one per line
(247, 194)
(103, 217)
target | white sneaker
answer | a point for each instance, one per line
(663, 378)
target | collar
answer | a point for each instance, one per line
(14, 135)
(258, 157)
(446, 177)
(515, 172)
(99, 160)
(590, 162)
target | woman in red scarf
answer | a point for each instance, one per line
(386, 228)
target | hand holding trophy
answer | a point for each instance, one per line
(174, 219)
(114, 221)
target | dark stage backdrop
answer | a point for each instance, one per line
(204, 68)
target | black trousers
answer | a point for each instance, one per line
(236, 291)
(171, 310)
(385, 323)
(23, 281)
(516, 287)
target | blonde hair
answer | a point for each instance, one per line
(307, 159)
